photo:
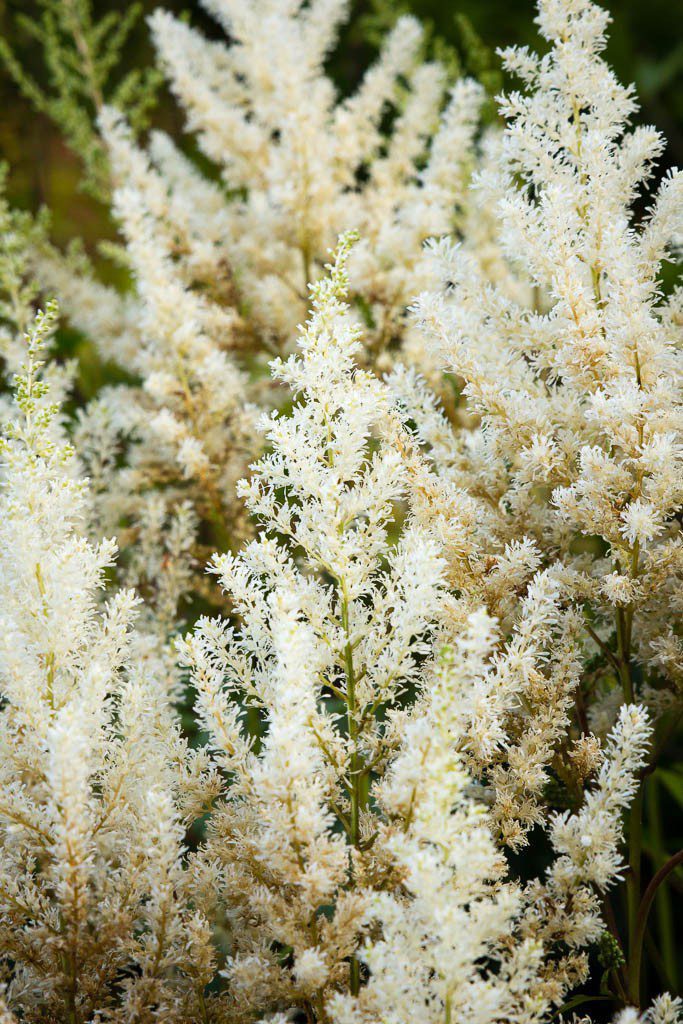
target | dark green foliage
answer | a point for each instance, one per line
(20, 233)
(82, 57)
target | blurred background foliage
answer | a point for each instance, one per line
(646, 47)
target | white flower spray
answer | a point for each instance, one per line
(90, 874)
(334, 618)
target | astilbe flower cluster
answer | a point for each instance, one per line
(222, 269)
(578, 394)
(440, 653)
(310, 164)
(93, 916)
(326, 642)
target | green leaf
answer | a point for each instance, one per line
(579, 1000)
(672, 778)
